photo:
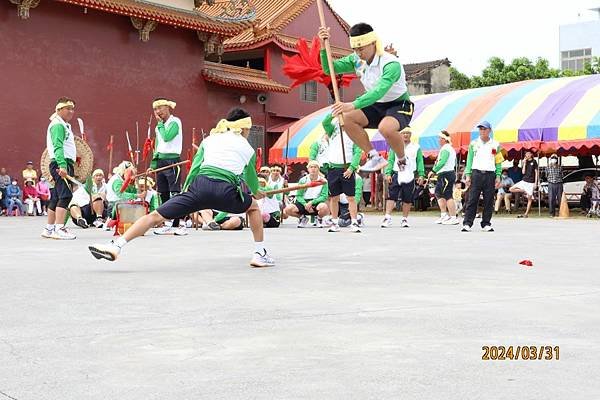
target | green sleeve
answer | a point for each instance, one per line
(220, 217)
(57, 135)
(420, 164)
(300, 193)
(356, 154)
(153, 202)
(391, 74)
(250, 176)
(168, 133)
(88, 185)
(344, 65)
(314, 150)
(196, 164)
(389, 169)
(498, 165)
(441, 161)
(470, 156)
(328, 125)
(323, 195)
(129, 194)
(359, 188)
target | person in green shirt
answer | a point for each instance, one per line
(385, 105)
(311, 201)
(318, 152)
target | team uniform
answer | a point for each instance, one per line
(318, 153)
(315, 195)
(270, 208)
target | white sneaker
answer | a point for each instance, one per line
(261, 261)
(319, 223)
(373, 164)
(63, 234)
(487, 228)
(108, 251)
(48, 234)
(303, 222)
(327, 221)
(441, 219)
(334, 228)
(466, 228)
(450, 221)
(180, 231)
(386, 223)
(355, 228)
(361, 219)
(404, 223)
(165, 230)
(45, 213)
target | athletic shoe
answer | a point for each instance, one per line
(165, 230)
(319, 223)
(487, 228)
(180, 231)
(441, 219)
(261, 261)
(98, 222)
(48, 234)
(334, 228)
(404, 223)
(82, 223)
(386, 223)
(327, 222)
(361, 219)
(450, 221)
(303, 222)
(108, 251)
(63, 234)
(45, 213)
(466, 228)
(355, 228)
(374, 164)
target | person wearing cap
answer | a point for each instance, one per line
(340, 172)
(385, 105)
(311, 201)
(554, 175)
(402, 183)
(446, 177)
(167, 151)
(60, 144)
(531, 178)
(483, 170)
(31, 198)
(29, 173)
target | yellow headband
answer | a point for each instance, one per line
(232, 126)
(367, 38)
(313, 163)
(60, 106)
(163, 102)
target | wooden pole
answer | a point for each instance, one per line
(295, 187)
(161, 168)
(110, 154)
(334, 85)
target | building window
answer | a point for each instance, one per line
(308, 92)
(330, 99)
(575, 60)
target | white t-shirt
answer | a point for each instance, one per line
(228, 151)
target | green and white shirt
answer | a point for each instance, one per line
(335, 158)
(60, 142)
(318, 151)
(446, 160)
(414, 162)
(484, 156)
(113, 190)
(270, 204)
(316, 195)
(169, 140)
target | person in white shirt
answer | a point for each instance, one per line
(444, 188)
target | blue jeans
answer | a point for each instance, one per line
(12, 202)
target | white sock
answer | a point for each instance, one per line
(335, 221)
(373, 153)
(120, 242)
(58, 226)
(355, 221)
(49, 227)
(259, 248)
(443, 214)
(388, 216)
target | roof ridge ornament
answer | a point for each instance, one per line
(23, 7)
(144, 27)
(230, 10)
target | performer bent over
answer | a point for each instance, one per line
(214, 182)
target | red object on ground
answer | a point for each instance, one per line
(526, 263)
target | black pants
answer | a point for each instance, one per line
(481, 182)
(554, 196)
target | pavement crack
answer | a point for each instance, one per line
(7, 396)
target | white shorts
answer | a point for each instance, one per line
(527, 187)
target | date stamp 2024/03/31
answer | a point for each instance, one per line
(494, 353)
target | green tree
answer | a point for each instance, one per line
(458, 80)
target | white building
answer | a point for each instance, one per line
(579, 42)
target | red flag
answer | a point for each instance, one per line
(259, 152)
(148, 148)
(188, 165)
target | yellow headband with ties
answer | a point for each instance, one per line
(164, 102)
(367, 38)
(60, 106)
(232, 126)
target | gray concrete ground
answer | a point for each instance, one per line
(387, 314)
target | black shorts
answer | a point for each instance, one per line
(445, 185)
(272, 222)
(206, 193)
(403, 192)
(169, 180)
(338, 184)
(63, 188)
(400, 110)
(303, 211)
(237, 228)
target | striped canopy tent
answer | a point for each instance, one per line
(551, 115)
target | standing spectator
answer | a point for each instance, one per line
(13, 197)
(444, 188)
(484, 163)
(530, 181)
(555, 183)
(31, 198)
(4, 182)
(367, 189)
(503, 192)
(44, 193)
(29, 172)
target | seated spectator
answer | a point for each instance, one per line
(457, 195)
(146, 193)
(503, 192)
(31, 198)
(96, 188)
(4, 182)
(591, 191)
(585, 201)
(44, 193)
(30, 173)
(219, 220)
(14, 195)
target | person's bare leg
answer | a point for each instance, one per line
(443, 205)
(206, 215)
(322, 210)
(389, 206)
(451, 206)
(335, 206)
(352, 207)
(231, 224)
(529, 203)
(98, 207)
(75, 212)
(390, 129)
(61, 214)
(507, 197)
(255, 222)
(291, 211)
(354, 123)
(51, 217)
(406, 209)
